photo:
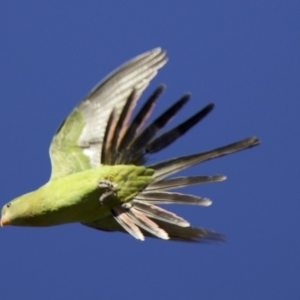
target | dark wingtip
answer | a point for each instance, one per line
(186, 97)
(172, 135)
(213, 237)
(161, 88)
(211, 105)
(207, 237)
(210, 237)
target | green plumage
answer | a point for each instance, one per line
(75, 198)
(66, 156)
(97, 157)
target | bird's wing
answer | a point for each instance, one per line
(77, 143)
(174, 232)
(130, 143)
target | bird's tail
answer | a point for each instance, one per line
(130, 142)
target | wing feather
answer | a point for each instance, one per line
(98, 131)
(77, 144)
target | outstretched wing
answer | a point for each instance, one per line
(130, 143)
(77, 144)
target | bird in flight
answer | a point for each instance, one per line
(100, 177)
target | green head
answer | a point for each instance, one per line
(17, 211)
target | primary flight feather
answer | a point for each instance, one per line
(98, 154)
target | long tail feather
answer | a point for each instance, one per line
(180, 182)
(161, 214)
(175, 232)
(125, 221)
(191, 234)
(171, 198)
(147, 224)
(168, 167)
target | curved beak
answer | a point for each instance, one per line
(4, 221)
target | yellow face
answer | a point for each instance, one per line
(4, 214)
(14, 212)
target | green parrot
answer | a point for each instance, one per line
(99, 173)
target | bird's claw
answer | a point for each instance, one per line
(109, 189)
(127, 205)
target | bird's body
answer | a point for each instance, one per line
(75, 198)
(98, 156)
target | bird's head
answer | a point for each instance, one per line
(15, 212)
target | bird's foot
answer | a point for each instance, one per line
(127, 205)
(109, 191)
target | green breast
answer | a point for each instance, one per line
(75, 198)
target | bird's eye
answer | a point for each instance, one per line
(8, 205)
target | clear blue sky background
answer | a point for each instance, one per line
(244, 56)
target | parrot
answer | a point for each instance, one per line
(100, 176)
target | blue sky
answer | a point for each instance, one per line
(242, 55)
